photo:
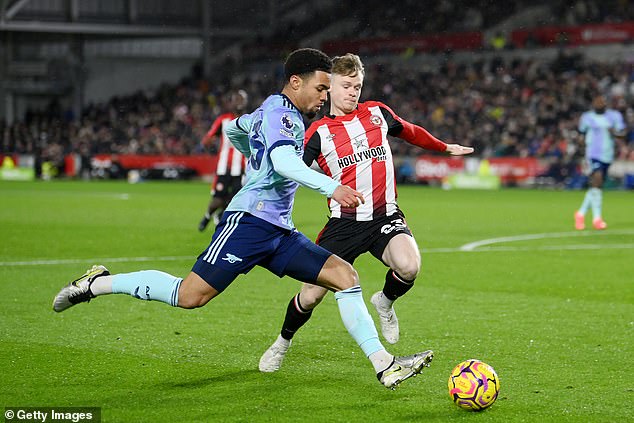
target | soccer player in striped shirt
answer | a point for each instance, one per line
(257, 227)
(231, 163)
(600, 126)
(350, 145)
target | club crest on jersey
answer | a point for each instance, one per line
(376, 120)
(231, 258)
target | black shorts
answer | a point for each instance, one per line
(349, 238)
(226, 186)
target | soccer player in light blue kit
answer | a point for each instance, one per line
(257, 227)
(600, 127)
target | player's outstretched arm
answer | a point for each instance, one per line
(458, 150)
(289, 165)
(286, 162)
(420, 137)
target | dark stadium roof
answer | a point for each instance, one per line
(93, 18)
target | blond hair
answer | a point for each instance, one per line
(348, 65)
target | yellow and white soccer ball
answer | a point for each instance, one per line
(473, 385)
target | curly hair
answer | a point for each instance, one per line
(305, 61)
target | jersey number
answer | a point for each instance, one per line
(257, 146)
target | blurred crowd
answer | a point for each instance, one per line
(523, 108)
(591, 11)
(405, 17)
(380, 19)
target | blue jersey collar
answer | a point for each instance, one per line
(289, 103)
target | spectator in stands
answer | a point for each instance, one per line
(499, 41)
(476, 103)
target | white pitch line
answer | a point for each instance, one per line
(94, 260)
(572, 247)
(473, 245)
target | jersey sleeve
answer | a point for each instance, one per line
(312, 146)
(583, 123)
(413, 134)
(215, 130)
(216, 127)
(288, 164)
(617, 121)
(238, 133)
(280, 127)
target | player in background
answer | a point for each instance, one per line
(231, 163)
(350, 145)
(257, 227)
(599, 126)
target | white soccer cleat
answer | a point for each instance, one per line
(271, 360)
(387, 316)
(403, 368)
(78, 291)
(216, 216)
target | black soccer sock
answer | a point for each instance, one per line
(395, 285)
(296, 317)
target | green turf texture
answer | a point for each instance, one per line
(553, 316)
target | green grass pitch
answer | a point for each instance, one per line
(552, 313)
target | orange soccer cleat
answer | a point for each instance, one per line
(580, 222)
(599, 223)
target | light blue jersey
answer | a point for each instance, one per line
(599, 140)
(272, 138)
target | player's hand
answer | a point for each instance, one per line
(347, 197)
(458, 150)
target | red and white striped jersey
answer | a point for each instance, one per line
(230, 160)
(354, 150)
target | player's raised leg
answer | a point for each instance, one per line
(149, 285)
(203, 283)
(78, 290)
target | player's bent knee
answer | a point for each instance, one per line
(409, 272)
(337, 275)
(194, 292)
(311, 295)
(349, 276)
(193, 301)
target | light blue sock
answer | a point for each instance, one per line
(148, 285)
(587, 200)
(357, 320)
(596, 202)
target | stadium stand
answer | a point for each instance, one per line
(524, 104)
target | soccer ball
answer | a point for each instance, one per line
(473, 385)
